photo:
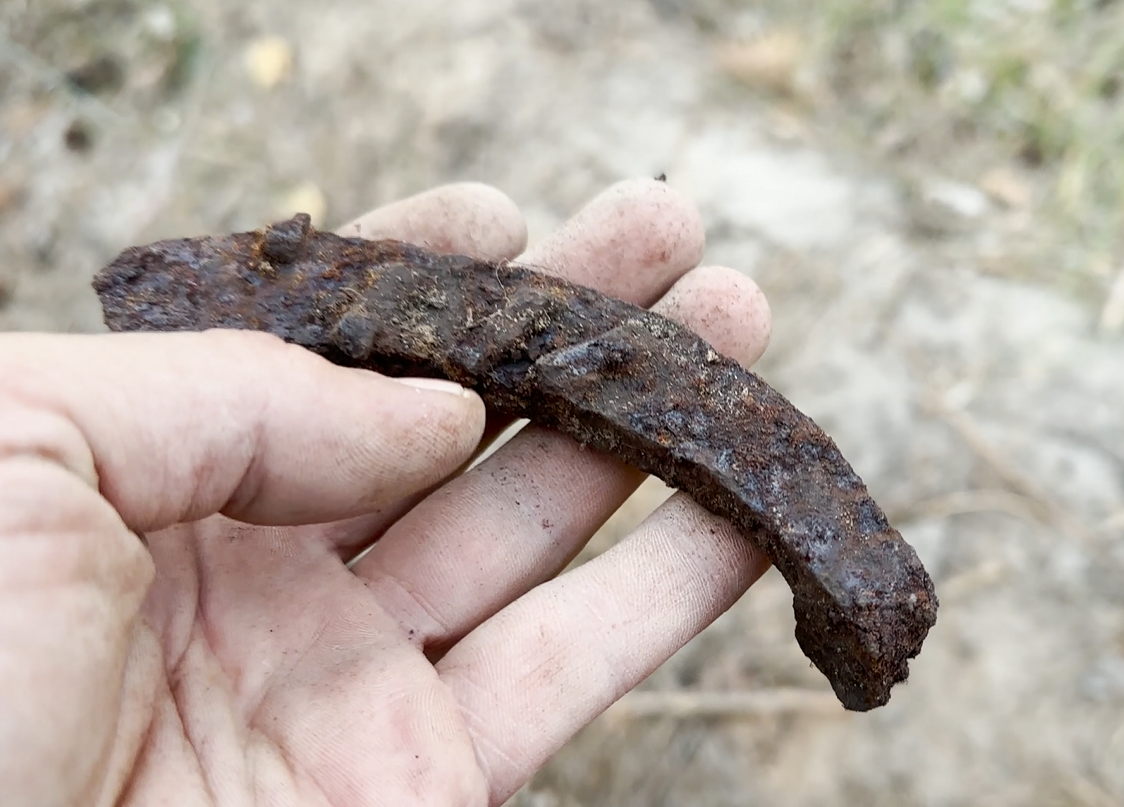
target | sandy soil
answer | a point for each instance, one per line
(983, 411)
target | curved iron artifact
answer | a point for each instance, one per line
(614, 376)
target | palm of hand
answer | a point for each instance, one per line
(240, 664)
(288, 699)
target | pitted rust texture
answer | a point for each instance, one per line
(618, 378)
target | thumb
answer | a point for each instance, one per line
(175, 427)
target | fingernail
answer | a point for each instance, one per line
(434, 384)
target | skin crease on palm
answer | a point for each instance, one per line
(179, 623)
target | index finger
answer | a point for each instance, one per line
(465, 218)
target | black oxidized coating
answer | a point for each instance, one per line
(623, 380)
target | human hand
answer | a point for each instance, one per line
(229, 655)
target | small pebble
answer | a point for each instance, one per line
(942, 206)
(160, 21)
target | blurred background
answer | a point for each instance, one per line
(931, 195)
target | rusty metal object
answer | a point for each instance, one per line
(615, 377)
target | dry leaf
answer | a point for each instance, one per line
(269, 61)
(770, 62)
(1007, 187)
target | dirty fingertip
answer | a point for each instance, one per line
(631, 241)
(659, 214)
(726, 307)
(468, 218)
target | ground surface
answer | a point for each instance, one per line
(982, 404)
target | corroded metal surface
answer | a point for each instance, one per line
(617, 378)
